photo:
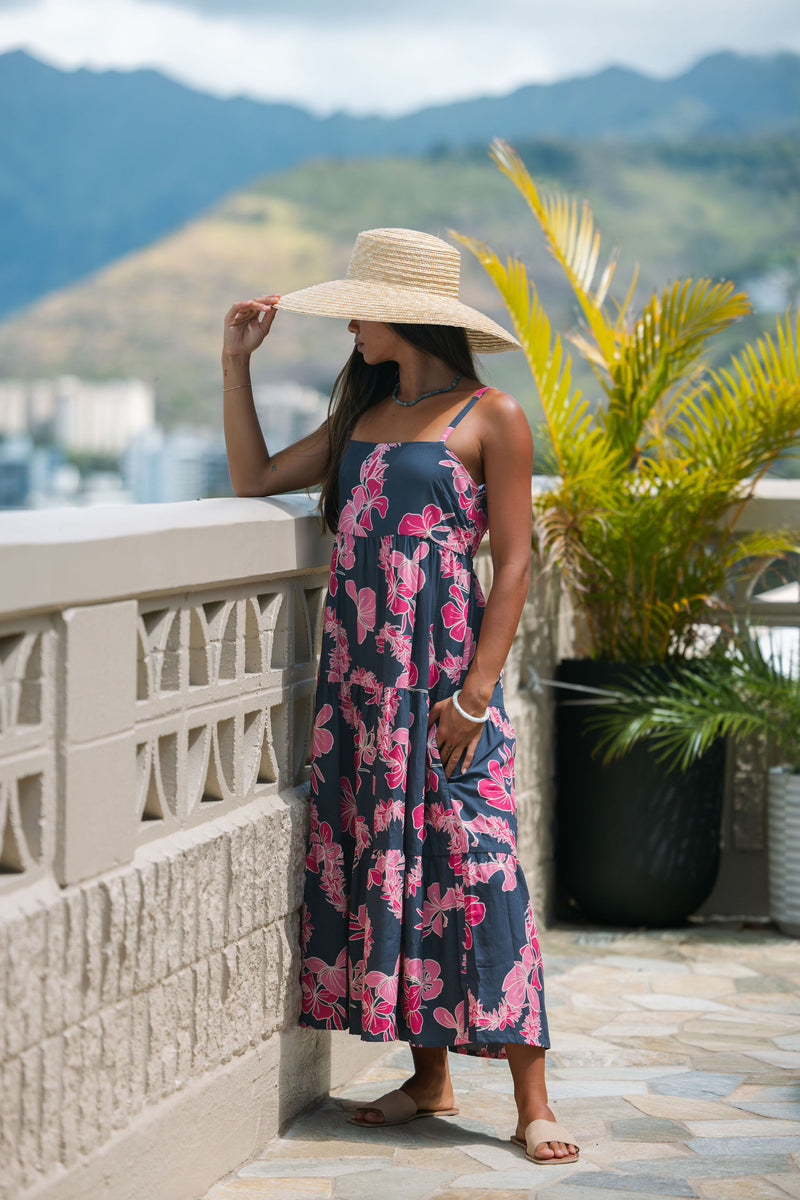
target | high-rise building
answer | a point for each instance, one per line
(15, 467)
(82, 416)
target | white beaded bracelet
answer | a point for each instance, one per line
(477, 720)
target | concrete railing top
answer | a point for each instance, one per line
(53, 558)
(57, 557)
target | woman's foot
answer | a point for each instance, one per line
(544, 1150)
(530, 1094)
(430, 1087)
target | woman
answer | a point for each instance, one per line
(417, 922)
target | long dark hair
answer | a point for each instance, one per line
(358, 386)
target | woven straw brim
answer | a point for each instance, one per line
(359, 300)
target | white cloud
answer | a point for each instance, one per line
(367, 57)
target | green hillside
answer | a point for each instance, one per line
(697, 207)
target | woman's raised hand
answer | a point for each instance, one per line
(247, 324)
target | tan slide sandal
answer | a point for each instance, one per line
(398, 1108)
(546, 1131)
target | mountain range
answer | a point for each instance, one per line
(698, 208)
(94, 165)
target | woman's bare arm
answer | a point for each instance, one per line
(508, 463)
(253, 470)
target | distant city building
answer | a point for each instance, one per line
(288, 412)
(160, 467)
(45, 421)
(53, 480)
(15, 471)
(14, 408)
(79, 415)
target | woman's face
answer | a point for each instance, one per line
(376, 342)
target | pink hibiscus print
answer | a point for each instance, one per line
(364, 600)
(397, 760)
(499, 789)
(435, 908)
(424, 524)
(420, 983)
(455, 613)
(324, 987)
(346, 546)
(387, 874)
(455, 1020)
(406, 579)
(321, 744)
(482, 871)
(453, 666)
(378, 1004)
(306, 927)
(322, 739)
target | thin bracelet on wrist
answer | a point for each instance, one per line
(476, 720)
(236, 387)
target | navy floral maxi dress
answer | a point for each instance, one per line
(417, 922)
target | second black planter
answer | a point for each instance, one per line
(637, 844)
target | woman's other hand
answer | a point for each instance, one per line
(456, 737)
(247, 324)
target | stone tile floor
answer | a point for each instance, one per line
(675, 1062)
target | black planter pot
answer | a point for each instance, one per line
(637, 844)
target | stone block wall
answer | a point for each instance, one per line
(122, 991)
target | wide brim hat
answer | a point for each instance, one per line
(403, 276)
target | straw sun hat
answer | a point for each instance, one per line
(405, 276)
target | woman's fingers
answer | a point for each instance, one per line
(456, 738)
(470, 752)
(248, 322)
(460, 752)
(246, 310)
(267, 317)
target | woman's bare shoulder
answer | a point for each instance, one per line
(503, 415)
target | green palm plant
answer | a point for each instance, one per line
(738, 692)
(651, 481)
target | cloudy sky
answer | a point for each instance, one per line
(389, 55)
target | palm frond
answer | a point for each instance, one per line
(738, 694)
(763, 546)
(573, 239)
(739, 420)
(572, 429)
(663, 344)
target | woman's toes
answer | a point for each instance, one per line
(554, 1150)
(374, 1115)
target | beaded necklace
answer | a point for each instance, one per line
(425, 395)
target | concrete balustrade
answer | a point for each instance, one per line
(157, 671)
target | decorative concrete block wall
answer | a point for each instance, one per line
(157, 670)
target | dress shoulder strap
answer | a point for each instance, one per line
(460, 416)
